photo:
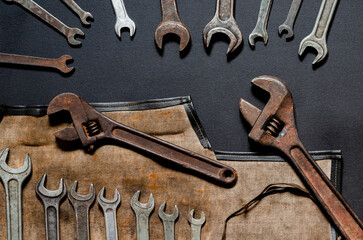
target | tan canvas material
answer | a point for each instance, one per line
(280, 216)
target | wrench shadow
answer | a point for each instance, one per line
(170, 37)
(221, 37)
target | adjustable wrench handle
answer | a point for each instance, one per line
(169, 11)
(331, 201)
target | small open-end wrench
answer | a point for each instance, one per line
(40, 12)
(196, 225)
(260, 29)
(83, 15)
(317, 38)
(81, 205)
(51, 201)
(89, 126)
(142, 212)
(288, 25)
(168, 221)
(171, 23)
(12, 180)
(275, 126)
(59, 63)
(122, 19)
(224, 22)
(109, 208)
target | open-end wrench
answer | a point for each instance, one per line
(89, 126)
(168, 221)
(51, 201)
(83, 15)
(171, 23)
(142, 212)
(81, 205)
(288, 25)
(109, 208)
(40, 12)
(196, 225)
(317, 38)
(260, 29)
(275, 126)
(122, 19)
(224, 22)
(59, 63)
(12, 180)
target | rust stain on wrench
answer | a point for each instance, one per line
(40, 12)
(275, 126)
(288, 25)
(12, 180)
(224, 22)
(260, 29)
(91, 127)
(171, 23)
(81, 205)
(59, 63)
(83, 15)
(317, 38)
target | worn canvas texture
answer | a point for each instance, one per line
(280, 216)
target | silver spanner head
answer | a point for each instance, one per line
(122, 19)
(142, 212)
(196, 225)
(168, 221)
(109, 210)
(260, 29)
(288, 25)
(224, 22)
(51, 201)
(81, 205)
(317, 38)
(13, 180)
(83, 15)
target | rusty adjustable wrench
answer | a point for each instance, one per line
(275, 127)
(90, 126)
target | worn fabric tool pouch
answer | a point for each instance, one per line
(278, 216)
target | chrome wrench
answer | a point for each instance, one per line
(83, 15)
(142, 212)
(168, 221)
(288, 25)
(109, 210)
(196, 225)
(317, 38)
(13, 180)
(40, 12)
(51, 201)
(122, 19)
(260, 29)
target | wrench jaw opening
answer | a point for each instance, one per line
(108, 203)
(62, 64)
(285, 28)
(137, 206)
(72, 34)
(168, 217)
(318, 44)
(177, 28)
(73, 196)
(43, 192)
(196, 221)
(125, 23)
(258, 34)
(84, 18)
(7, 172)
(235, 37)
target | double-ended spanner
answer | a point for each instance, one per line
(83, 15)
(168, 221)
(13, 180)
(288, 25)
(59, 63)
(40, 12)
(109, 208)
(171, 23)
(196, 225)
(91, 127)
(274, 126)
(224, 22)
(51, 201)
(260, 30)
(317, 38)
(122, 19)
(142, 212)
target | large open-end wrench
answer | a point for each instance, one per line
(275, 126)
(59, 63)
(142, 212)
(89, 126)
(40, 12)
(81, 205)
(12, 180)
(317, 38)
(83, 15)
(51, 201)
(196, 225)
(109, 208)
(171, 23)
(288, 25)
(168, 221)
(224, 22)
(260, 29)
(122, 19)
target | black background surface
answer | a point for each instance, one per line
(328, 99)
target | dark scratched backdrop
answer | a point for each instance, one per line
(328, 98)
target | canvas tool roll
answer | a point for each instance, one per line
(279, 216)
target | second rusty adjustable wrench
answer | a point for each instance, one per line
(90, 126)
(275, 126)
